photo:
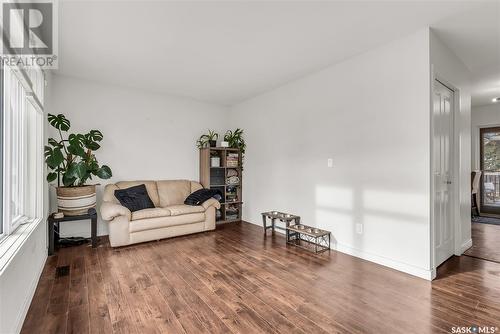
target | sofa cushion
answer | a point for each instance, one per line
(134, 198)
(150, 213)
(201, 195)
(160, 222)
(150, 186)
(173, 192)
(182, 209)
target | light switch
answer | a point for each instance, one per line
(359, 228)
(329, 162)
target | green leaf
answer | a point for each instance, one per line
(92, 145)
(77, 170)
(94, 135)
(54, 142)
(53, 157)
(104, 172)
(59, 122)
(68, 180)
(51, 177)
(76, 139)
(76, 150)
(76, 142)
(81, 170)
(93, 166)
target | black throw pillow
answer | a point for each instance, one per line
(200, 196)
(134, 198)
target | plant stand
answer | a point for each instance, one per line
(309, 238)
(286, 218)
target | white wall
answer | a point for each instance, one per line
(146, 135)
(482, 117)
(446, 65)
(371, 115)
(19, 279)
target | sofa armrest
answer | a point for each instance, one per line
(110, 210)
(211, 202)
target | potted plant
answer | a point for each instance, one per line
(235, 139)
(208, 140)
(214, 159)
(72, 163)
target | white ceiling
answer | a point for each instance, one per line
(225, 52)
(474, 36)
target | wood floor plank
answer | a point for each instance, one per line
(99, 317)
(163, 316)
(57, 311)
(41, 300)
(120, 312)
(235, 280)
(78, 308)
(485, 242)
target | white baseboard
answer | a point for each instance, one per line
(400, 266)
(465, 246)
(31, 293)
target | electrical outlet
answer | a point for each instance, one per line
(329, 162)
(359, 228)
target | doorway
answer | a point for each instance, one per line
(486, 225)
(442, 117)
(490, 165)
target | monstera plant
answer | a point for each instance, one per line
(71, 161)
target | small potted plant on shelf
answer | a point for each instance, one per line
(236, 140)
(208, 139)
(72, 163)
(214, 159)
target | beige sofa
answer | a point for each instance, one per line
(170, 217)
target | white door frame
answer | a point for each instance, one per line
(455, 179)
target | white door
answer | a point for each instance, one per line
(442, 172)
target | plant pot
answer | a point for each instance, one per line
(215, 162)
(224, 144)
(212, 143)
(74, 201)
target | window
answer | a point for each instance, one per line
(22, 148)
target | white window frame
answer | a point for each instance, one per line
(31, 202)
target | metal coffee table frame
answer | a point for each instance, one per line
(286, 218)
(318, 240)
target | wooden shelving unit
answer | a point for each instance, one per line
(215, 177)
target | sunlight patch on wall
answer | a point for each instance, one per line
(341, 223)
(334, 197)
(395, 202)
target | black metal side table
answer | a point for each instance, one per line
(91, 214)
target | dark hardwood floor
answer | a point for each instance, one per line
(485, 242)
(234, 280)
